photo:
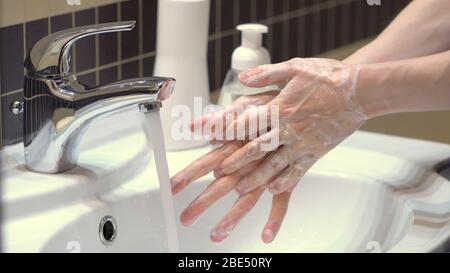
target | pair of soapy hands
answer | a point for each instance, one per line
(317, 109)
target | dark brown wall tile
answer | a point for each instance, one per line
(130, 39)
(323, 31)
(11, 56)
(60, 22)
(261, 10)
(11, 124)
(108, 75)
(244, 11)
(212, 17)
(277, 43)
(148, 66)
(149, 25)
(85, 48)
(357, 22)
(295, 4)
(294, 45)
(315, 38)
(35, 31)
(212, 64)
(308, 35)
(88, 80)
(130, 70)
(107, 42)
(225, 59)
(227, 14)
(278, 6)
(330, 28)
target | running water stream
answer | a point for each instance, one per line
(156, 134)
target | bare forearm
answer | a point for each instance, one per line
(414, 85)
(421, 29)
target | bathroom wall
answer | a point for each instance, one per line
(297, 28)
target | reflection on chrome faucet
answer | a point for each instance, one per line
(58, 109)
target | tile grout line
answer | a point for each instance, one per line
(12, 92)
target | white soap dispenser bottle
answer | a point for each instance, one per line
(250, 54)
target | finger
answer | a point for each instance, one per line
(222, 120)
(217, 174)
(280, 204)
(200, 121)
(212, 194)
(275, 163)
(217, 142)
(261, 146)
(253, 150)
(240, 103)
(292, 175)
(206, 123)
(240, 208)
(203, 166)
(254, 121)
(265, 75)
(247, 123)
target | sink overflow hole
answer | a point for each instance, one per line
(107, 230)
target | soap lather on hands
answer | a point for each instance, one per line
(317, 110)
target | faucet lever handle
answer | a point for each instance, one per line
(50, 56)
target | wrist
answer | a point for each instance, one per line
(371, 90)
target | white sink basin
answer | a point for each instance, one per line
(362, 197)
(327, 213)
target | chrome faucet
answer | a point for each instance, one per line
(58, 109)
